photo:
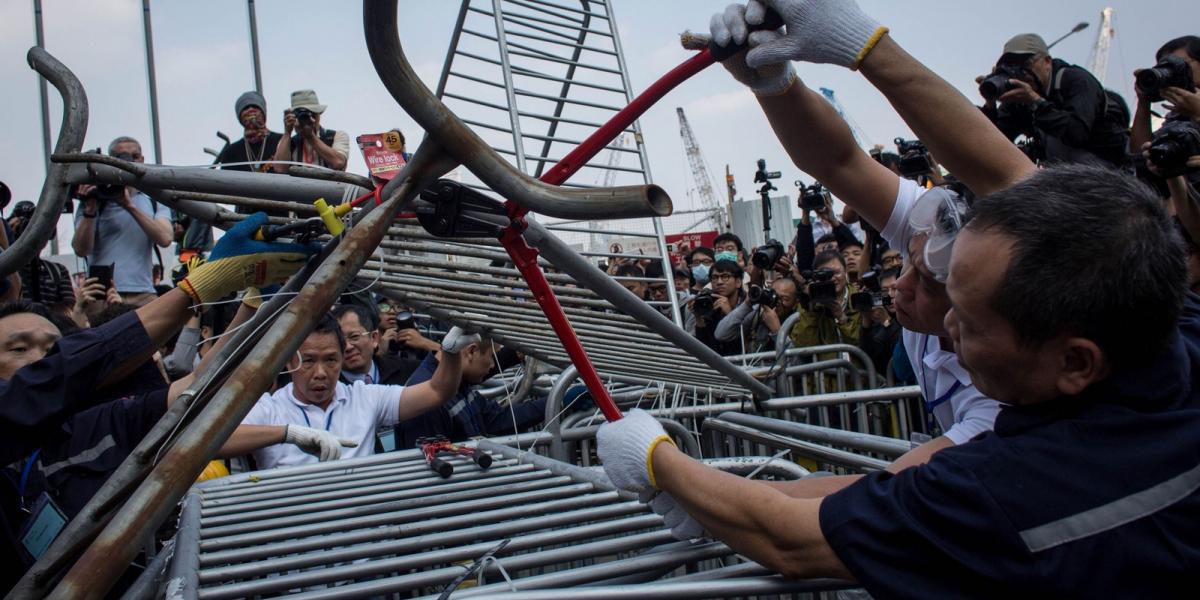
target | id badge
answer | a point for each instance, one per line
(44, 524)
(386, 439)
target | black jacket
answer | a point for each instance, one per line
(1079, 122)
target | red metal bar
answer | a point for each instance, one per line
(525, 257)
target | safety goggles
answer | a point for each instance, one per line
(939, 214)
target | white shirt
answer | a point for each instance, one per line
(355, 413)
(960, 410)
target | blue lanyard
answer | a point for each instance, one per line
(25, 476)
(930, 406)
(328, 418)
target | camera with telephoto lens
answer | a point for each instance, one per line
(997, 83)
(704, 303)
(814, 197)
(822, 289)
(914, 158)
(871, 296)
(404, 320)
(766, 255)
(1173, 144)
(1171, 71)
(761, 296)
(303, 116)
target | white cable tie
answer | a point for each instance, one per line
(758, 470)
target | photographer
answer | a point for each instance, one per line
(312, 144)
(759, 317)
(119, 227)
(1175, 79)
(710, 306)
(43, 281)
(1184, 199)
(1062, 108)
(840, 235)
(398, 333)
(880, 329)
(827, 318)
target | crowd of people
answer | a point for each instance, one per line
(1038, 292)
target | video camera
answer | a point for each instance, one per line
(766, 255)
(871, 296)
(814, 197)
(1173, 144)
(822, 289)
(997, 83)
(761, 296)
(762, 175)
(914, 158)
(1171, 71)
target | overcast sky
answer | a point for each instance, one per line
(203, 63)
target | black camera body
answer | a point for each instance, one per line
(1173, 144)
(997, 83)
(914, 158)
(822, 289)
(704, 303)
(766, 255)
(1171, 71)
(404, 320)
(814, 197)
(303, 116)
(871, 296)
(761, 296)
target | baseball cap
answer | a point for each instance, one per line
(1025, 43)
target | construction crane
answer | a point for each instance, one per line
(854, 128)
(606, 180)
(703, 179)
(1098, 63)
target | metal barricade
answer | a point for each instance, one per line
(387, 524)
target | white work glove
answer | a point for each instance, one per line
(836, 32)
(681, 524)
(730, 27)
(625, 447)
(457, 339)
(321, 444)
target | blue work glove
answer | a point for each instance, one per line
(239, 261)
(626, 446)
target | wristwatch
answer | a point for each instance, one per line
(1040, 105)
(91, 216)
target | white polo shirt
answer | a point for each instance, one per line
(355, 413)
(961, 411)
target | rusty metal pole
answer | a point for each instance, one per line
(104, 561)
(55, 190)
